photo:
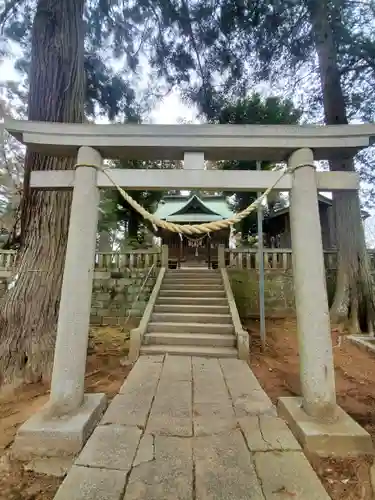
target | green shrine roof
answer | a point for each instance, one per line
(193, 208)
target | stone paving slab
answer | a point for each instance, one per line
(84, 483)
(142, 374)
(247, 395)
(168, 477)
(219, 425)
(133, 404)
(173, 399)
(171, 412)
(146, 451)
(177, 368)
(191, 428)
(288, 475)
(224, 468)
(209, 384)
(111, 447)
(213, 411)
(265, 432)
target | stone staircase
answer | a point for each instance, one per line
(191, 316)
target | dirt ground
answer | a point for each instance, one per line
(277, 369)
(104, 373)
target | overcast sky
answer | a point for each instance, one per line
(168, 111)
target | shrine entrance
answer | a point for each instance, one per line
(65, 423)
(199, 250)
(196, 251)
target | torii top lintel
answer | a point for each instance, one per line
(217, 142)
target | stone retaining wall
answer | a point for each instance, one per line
(278, 292)
(114, 294)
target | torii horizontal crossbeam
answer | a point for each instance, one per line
(217, 142)
(208, 180)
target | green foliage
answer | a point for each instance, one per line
(117, 33)
(214, 52)
(126, 33)
(117, 212)
(106, 91)
(211, 51)
(253, 111)
(241, 44)
(108, 218)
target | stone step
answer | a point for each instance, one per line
(186, 300)
(195, 339)
(169, 327)
(192, 281)
(191, 293)
(222, 319)
(192, 275)
(184, 350)
(192, 270)
(191, 286)
(191, 308)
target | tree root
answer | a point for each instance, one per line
(353, 308)
(22, 367)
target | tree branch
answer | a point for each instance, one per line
(9, 8)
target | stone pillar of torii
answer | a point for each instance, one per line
(67, 420)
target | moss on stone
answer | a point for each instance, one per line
(278, 291)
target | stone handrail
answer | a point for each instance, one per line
(240, 258)
(137, 334)
(241, 335)
(7, 259)
(7, 263)
(277, 258)
(104, 261)
(140, 259)
(145, 280)
(248, 258)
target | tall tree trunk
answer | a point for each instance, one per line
(133, 225)
(29, 311)
(353, 303)
(105, 244)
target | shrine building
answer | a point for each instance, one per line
(195, 208)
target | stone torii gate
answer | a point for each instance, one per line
(65, 423)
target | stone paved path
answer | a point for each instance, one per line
(185, 428)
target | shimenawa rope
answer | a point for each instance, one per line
(189, 229)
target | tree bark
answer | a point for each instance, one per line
(353, 303)
(105, 244)
(29, 311)
(133, 225)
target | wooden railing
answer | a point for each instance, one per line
(276, 258)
